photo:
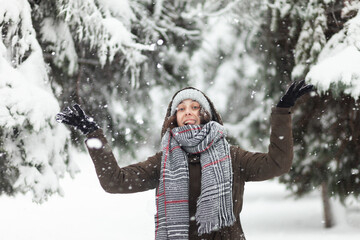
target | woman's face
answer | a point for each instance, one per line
(188, 113)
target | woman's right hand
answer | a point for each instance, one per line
(76, 117)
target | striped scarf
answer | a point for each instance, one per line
(214, 205)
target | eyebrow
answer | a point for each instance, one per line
(191, 99)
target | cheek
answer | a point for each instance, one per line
(178, 119)
(197, 113)
(198, 120)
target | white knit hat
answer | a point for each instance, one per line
(190, 94)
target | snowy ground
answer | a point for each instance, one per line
(87, 212)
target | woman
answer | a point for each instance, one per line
(199, 178)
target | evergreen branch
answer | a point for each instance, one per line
(93, 62)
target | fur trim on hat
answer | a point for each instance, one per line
(190, 94)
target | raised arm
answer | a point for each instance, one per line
(133, 178)
(256, 166)
(278, 159)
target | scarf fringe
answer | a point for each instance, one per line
(211, 226)
(225, 220)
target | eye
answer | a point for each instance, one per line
(180, 109)
(196, 107)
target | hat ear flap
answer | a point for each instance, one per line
(170, 123)
(215, 115)
(166, 125)
(204, 116)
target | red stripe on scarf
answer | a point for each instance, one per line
(174, 148)
(199, 128)
(212, 163)
(189, 130)
(177, 201)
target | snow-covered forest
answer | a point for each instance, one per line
(122, 61)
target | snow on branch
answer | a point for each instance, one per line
(63, 47)
(339, 60)
(18, 35)
(105, 25)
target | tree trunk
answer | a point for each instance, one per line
(328, 217)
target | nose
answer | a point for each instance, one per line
(188, 111)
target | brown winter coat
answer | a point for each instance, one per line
(247, 166)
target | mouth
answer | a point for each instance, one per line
(190, 122)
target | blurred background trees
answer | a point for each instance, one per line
(122, 60)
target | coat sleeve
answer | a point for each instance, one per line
(255, 166)
(113, 179)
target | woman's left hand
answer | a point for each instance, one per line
(295, 91)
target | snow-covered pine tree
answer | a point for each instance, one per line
(106, 55)
(324, 135)
(34, 149)
(336, 76)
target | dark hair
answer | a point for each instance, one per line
(171, 122)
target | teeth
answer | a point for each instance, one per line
(188, 122)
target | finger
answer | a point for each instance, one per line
(67, 111)
(310, 86)
(66, 122)
(75, 113)
(299, 86)
(79, 110)
(290, 89)
(305, 89)
(61, 118)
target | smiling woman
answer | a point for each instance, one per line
(199, 178)
(188, 113)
